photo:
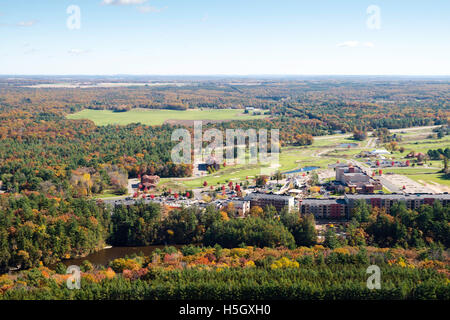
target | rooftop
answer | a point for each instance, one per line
(322, 201)
(399, 196)
(256, 196)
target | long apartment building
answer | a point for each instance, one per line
(263, 199)
(324, 208)
(413, 201)
(341, 208)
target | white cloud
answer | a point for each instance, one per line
(348, 44)
(31, 51)
(77, 52)
(355, 44)
(27, 23)
(150, 9)
(123, 2)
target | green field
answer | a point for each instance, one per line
(159, 116)
(423, 145)
(290, 158)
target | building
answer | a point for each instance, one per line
(354, 178)
(324, 208)
(149, 182)
(266, 199)
(241, 206)
(378, 152)
(385, 201)
(342, 208)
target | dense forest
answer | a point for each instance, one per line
(38, 230)
(267, 255)
(51, 151)
(369, 226)
(246, 273)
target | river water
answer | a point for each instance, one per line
(103, 257)
(304, 169)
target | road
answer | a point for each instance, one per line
(347, 135)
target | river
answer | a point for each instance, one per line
(103, 257)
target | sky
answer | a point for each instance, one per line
(231, 37)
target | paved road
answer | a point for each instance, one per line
(346, 135)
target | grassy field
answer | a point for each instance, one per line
(423, 145)
(158, 116)
(290, 158)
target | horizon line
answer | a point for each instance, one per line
(223, 75)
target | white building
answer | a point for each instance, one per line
(377, 152)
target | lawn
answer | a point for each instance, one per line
(234, 173)
(290, 158)
(107, 194)
(423, 145)
(159, 116)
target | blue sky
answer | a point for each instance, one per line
(225, 37)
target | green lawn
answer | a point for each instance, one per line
(234, 173)
(107, 194)
(290, 158)
(158, 116)
(423, 145)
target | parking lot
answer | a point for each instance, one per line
(411, 186)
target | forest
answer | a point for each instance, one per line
(243, 273)
(36, 230)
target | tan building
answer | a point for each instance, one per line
(266, 199)
(355, 178)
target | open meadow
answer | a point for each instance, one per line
(160, 116)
